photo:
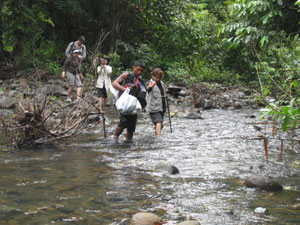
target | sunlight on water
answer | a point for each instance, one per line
(86, 180)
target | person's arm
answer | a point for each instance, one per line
(108, 69)
(117, 82)
(83, 56)
(67, 52)
(67, 61)
(150, 85)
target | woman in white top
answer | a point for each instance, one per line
(103, 81)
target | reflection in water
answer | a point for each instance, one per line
(89, 181)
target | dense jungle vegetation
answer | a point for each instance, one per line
(242, 42)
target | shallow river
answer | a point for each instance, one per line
(87, 180)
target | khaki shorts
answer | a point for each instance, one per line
(73, 80)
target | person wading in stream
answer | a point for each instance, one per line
(137, 87)
(156, 100)
(71, 71)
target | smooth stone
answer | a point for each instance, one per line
(263, 183)
(260, 210)
(194, 116)
(145, 219)
(164, 166)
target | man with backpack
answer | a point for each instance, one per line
(133, 81)
(77, 45)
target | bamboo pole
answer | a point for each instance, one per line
(281, 149)
(266, 148)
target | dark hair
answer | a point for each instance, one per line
(140, 64)
(157, 72)
(81, 39)
(105, 57)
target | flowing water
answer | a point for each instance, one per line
(87, 180)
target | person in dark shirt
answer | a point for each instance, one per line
(129, 80)
(71, 71)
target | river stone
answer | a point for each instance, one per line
(145, 219)
(206, 103)
(295, 206)
(93, 119)
(263, 183)
(194, 116)
(189, 222)
(237, 104)
(261, 210)
(7, 103)
(174, 90)
(164, 166)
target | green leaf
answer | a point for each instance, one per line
(8, 48)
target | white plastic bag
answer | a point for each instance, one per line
(114, 94)
(128, 104)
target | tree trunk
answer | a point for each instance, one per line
(19, 48)
(1, 33)
(115, 31)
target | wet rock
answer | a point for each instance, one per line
(181, 114)
(145, 219)
(174, 90)
(59, 91)
(295, 206)
(7, 103)
(237, 104)
(261, 210)
(263, 183)
(93, 119)
(13, 93)
(182, 93)
(164, 166)
(206, 103)
(193, 116)
(189, 222)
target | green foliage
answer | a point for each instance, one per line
(258, 22)
(115, 63)
(287, 115)
(3, 89)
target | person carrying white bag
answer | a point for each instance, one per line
(132, 98)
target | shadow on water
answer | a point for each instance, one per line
(87, 180)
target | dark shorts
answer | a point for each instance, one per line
(102, 92)
(129, 122)
(157, 117)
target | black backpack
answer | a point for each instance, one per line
(137, 88)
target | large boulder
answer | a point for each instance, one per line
(145, 218)
(7, 103)
(263, 183)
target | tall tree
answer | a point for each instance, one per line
(1, 33)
